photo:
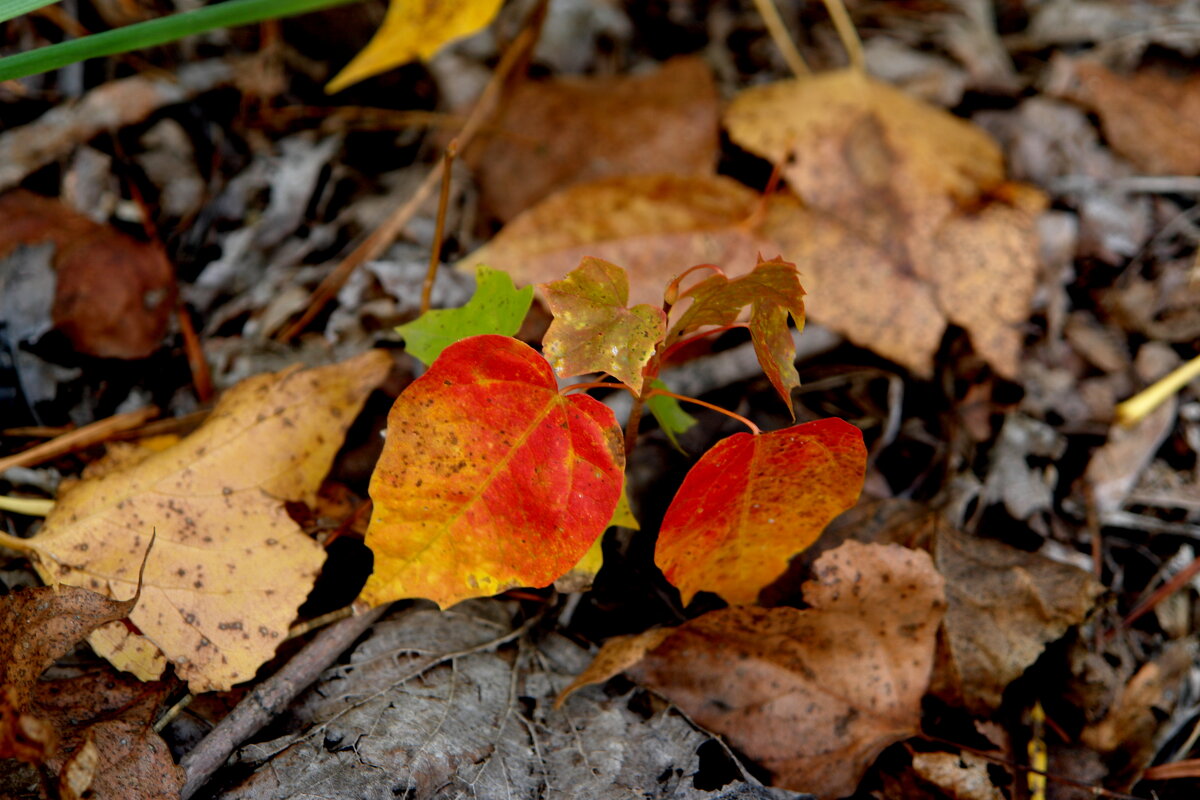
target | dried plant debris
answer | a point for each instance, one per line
(435, 704)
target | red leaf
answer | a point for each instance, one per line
(490, 478)
(752, 502)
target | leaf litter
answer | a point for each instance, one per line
(895, 288)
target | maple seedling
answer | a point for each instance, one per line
(493, 478)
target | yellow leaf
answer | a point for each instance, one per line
(229, 567)
(415, 29)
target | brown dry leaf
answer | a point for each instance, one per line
(898, 234)
(1004, 607)
(552, 134)
(51, 722)
(655, 226)
(813, 695)
(113, 296)
(230, 567)
(960, 776)
(1150, 117)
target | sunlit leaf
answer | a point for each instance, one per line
(496, 307)
(489, 479)
(753, 501)
(415, 29)
(594, 331)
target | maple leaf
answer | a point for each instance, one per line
(752, 502)
(496, 307)
(414, 29)
(814, 695)
(594, 331)
(229, 567)
(489, 478)
(772, 290)
(656, 226)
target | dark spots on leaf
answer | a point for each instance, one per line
(181, 572)
(198, 584)
(189, 618)
(82, 547)
(272, 542)
(226, 490)
(236, 625)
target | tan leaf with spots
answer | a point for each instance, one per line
(229, 566)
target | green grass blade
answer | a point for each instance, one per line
(156, 31)
(15, 8)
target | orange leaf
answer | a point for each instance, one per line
(490, 478)
(593, 331)
(752, 502)
(772, 290)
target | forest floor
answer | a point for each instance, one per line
(980, 299)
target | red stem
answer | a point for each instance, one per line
(753, 428)
(696, 336)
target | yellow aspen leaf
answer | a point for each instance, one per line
(489, 479)
(415, 29)
(229, 566)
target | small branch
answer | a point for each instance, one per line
(270, 697)
(781, 37)
(435, 252)
(847, 33)
(29, 506)
(632, 424)
(78, 439)
(682, 398)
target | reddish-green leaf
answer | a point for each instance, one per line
(593, 331)
(490, 478)
(772, 290)
(753, 501)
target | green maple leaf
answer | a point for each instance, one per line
(496, 307)
(593, 331)
(773, 291)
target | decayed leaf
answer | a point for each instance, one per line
(655, 226)
(594, 330)
(489, 478)
(772, 290)
(414, 29)
(43, 723)
(37, 627)
(229, 567)
(865, 152)
(496, 307)
(813, 695)
(1149, 117)
(552, 134)
(898, 233)
(1004, 607)
(113, 294)
(754, 501)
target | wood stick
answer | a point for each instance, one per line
(80, 438)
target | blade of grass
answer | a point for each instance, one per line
(15, 8)
(155, 32)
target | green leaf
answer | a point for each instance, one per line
(15, 8)
(593, 331)
(496, 307)
(670, 415)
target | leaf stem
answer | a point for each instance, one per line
(684, 398)
(597, 385)
(155, 32)
(18, 544)
(435, 251)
